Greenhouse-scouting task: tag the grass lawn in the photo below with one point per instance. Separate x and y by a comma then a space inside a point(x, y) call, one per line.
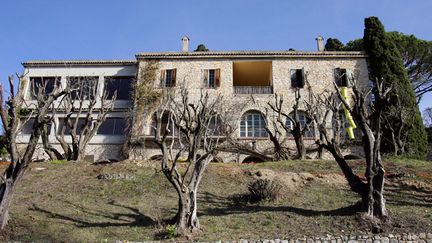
point(68, 202)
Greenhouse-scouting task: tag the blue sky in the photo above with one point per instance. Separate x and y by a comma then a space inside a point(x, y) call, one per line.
point(113, 29)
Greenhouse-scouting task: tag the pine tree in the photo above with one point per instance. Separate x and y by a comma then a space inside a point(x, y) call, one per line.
point(334, 44)
point(385, 63)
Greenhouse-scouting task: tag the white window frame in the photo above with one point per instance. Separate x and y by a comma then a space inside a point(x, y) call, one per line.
point(252, 125)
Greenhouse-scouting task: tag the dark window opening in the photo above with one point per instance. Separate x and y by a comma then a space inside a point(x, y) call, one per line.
point(27, 127)
point(297, 78)
point(343, 77)
point(113, 126)
point(83, 88)
point(42, 84)
point(79, 127)
point(121, 85)
point(211, 79)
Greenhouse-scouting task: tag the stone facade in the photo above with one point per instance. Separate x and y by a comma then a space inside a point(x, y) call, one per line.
point(319, 74)
point(318, 69)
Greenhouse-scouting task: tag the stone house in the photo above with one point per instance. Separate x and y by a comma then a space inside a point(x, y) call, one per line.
point(250, 78)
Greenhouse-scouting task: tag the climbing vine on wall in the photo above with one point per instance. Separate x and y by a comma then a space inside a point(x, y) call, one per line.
point(145, 96)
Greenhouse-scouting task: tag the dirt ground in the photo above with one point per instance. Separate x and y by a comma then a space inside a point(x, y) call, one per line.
point(71, 202)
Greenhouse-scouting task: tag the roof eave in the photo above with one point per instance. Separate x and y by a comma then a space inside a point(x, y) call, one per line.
point(249, 54)
point(72, 63)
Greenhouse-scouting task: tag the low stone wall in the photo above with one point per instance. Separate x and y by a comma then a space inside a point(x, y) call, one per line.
point(95, 151)
point(391, 238)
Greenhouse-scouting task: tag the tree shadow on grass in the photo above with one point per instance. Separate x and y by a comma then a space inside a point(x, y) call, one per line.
point(403, 195)
point(224, 206)
point(132, 218)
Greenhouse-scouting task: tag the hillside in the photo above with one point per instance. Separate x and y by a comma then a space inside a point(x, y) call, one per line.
point(65, 201)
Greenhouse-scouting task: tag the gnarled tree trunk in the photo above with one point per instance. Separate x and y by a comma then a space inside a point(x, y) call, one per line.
point(12, 124)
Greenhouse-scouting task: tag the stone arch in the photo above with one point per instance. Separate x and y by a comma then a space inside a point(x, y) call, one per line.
point(252, 159)
point(216, 159)
point(156, 157)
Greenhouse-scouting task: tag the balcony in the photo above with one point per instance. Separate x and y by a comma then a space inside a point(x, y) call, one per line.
point(252, 77)
point(253, 90)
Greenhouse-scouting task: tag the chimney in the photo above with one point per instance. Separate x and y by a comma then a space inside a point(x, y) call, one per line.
point(320, 43)
point(185, 41)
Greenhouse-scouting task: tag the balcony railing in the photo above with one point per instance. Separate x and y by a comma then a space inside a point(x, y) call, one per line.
point(253, 90)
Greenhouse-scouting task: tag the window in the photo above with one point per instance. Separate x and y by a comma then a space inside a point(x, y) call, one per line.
point(211, 78)
point(83, 88)
point(123, 86)
point(297, 78)
point(252, 124)
point(80, 125)
point(113, 126)
point(27, 127)
point(168, 77)
point(44, 84)
point(304, 120)
point(166, 123)
point(343, 77)
point(214, 126)
point(343, 128)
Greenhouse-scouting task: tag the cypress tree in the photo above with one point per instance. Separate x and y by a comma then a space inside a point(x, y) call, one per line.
point(385, 62)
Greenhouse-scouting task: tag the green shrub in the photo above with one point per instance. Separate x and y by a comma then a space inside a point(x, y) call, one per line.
point(171, 231)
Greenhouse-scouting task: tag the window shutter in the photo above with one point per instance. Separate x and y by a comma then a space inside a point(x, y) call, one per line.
point(338, 78)
point(162, 77)
point(350, 79)
point(302, 80)
point(205, 73)
point(173, 79)
point(217, 77)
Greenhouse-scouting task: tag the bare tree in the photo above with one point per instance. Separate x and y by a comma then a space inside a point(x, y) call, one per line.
point(294, 127)
point(325, 110)
point(368, 113)
point(427, 116)
point(84, 112)
point(367, 110)
point(277, 133)
point(12, 125)
point(187, 130)
point(397, 120)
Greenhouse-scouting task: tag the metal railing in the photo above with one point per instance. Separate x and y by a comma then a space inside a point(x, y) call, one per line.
point(253, 90)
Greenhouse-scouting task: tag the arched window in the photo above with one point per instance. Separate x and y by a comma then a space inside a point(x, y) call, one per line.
point(252, 124)
point(304, 120)
point(215, 126)
point(166, 123)
point(343, 128)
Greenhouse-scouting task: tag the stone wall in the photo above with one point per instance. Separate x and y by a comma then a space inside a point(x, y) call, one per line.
point(95, 152)
point(391, 238)
point(319, 74)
